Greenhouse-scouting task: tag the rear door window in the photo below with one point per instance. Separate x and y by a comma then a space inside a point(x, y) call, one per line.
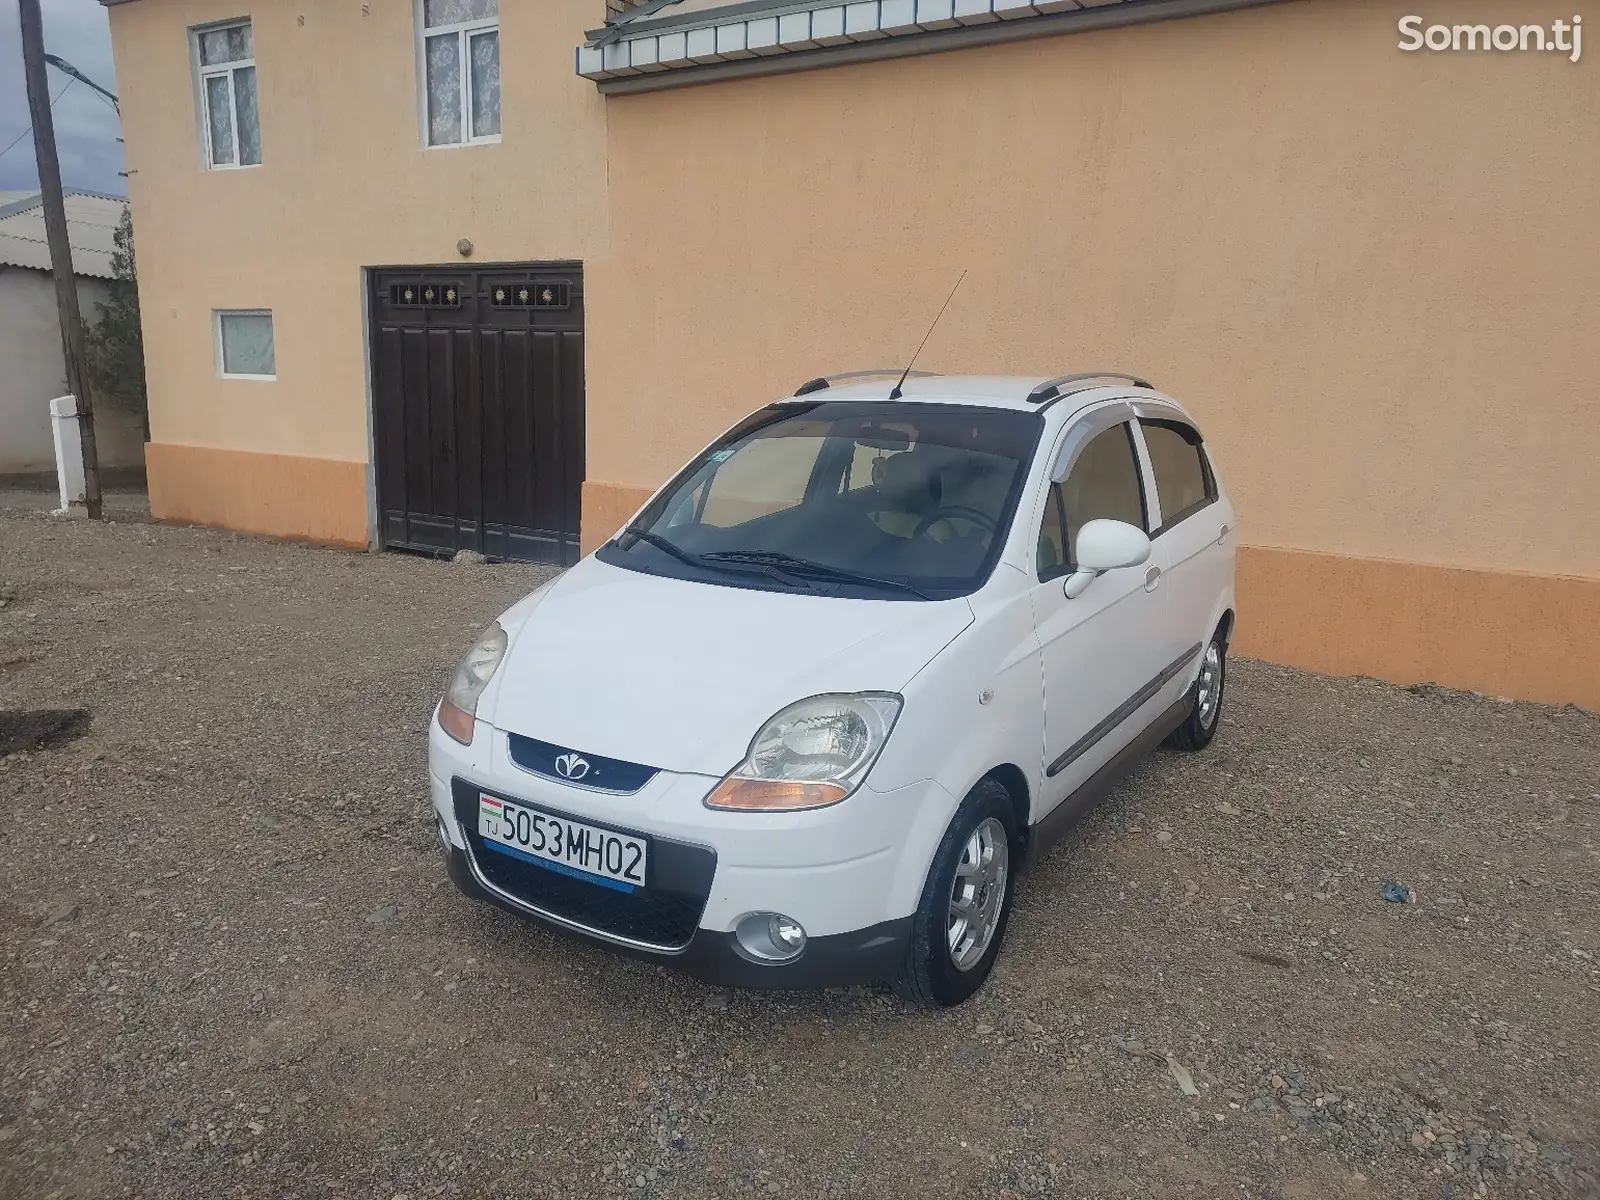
point(1183, 478)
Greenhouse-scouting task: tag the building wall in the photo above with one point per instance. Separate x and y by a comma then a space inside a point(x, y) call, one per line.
point(344, 184)
point(32, 373)
point(1364, 270)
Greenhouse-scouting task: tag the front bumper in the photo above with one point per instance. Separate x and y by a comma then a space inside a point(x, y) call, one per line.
point(851, 875)
point(866, 955)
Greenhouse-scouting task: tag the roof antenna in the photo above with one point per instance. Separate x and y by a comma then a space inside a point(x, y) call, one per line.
point(895, 395)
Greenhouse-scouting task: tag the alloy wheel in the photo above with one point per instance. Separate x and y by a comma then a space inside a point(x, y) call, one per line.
point(1208, 691)
point(978, 894)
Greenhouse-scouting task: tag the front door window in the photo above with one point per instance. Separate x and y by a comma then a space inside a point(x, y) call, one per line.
point(1104, 483)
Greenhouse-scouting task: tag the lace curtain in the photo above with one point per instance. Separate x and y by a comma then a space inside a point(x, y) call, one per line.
point(219, 117)
point(247, 344)
point(453, 12)
point(244, 103)
point(485, 84)
point(444, 89)
point(232, 117)
point(226, 45)
point(463, 71)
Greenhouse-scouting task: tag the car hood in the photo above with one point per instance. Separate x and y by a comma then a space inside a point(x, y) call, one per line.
point(679, 675)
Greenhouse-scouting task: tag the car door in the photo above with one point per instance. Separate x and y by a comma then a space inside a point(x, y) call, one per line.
point(1192, 530)
point(1100, 649)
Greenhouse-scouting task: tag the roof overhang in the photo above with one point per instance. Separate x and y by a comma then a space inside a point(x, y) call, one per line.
point(663, 45)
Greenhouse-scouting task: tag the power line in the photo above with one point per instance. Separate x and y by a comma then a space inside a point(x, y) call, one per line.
point(29, 129)
point(67, 68)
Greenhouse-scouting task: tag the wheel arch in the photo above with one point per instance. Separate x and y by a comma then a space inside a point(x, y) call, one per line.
point(1011, 777)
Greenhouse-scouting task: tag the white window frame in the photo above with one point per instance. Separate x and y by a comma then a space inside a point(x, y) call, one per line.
point(463, 31)
point(216, 342)
point(202, 101)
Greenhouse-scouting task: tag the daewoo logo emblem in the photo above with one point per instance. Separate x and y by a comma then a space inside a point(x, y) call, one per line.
point(572, 766)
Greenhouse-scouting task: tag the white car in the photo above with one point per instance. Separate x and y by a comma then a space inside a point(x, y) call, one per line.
point(802, 720)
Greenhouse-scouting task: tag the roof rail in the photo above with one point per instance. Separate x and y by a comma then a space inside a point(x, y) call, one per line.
point(1052, 388)
point(822, 382)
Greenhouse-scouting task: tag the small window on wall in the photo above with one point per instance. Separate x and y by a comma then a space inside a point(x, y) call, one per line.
point(230, 122)
point(244, 344)
point(460, 63)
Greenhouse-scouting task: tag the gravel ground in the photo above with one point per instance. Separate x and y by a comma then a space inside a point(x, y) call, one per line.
point(122, 494)
point(233, 966)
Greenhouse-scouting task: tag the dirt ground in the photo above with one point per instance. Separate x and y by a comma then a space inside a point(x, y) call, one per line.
point(123, 495)
point(231, 963)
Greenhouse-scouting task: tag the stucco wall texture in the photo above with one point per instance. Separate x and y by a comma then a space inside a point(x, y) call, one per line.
point(1367, 272)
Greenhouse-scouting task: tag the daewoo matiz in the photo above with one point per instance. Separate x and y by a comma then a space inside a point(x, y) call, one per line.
point(801, 721)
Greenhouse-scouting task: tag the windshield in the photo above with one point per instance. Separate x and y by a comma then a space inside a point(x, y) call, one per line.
point(861, 498)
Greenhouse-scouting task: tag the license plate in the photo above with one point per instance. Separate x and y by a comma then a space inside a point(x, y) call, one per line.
point(613, 860)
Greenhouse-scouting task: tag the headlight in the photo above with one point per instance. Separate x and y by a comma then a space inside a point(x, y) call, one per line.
point(811, 754)
point(458, 710)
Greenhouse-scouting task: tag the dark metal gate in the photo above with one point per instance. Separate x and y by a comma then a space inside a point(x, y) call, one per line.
point(477, 395)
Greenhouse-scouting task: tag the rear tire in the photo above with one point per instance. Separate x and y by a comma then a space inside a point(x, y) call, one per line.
point(1205, 714)
point(960, 922)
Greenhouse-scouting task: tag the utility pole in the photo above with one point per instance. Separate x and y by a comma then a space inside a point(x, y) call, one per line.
point(55, 224)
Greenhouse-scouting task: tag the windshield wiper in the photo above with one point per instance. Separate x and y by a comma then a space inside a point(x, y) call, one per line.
point(712, 560)
point(806, 566)
point(661, 543)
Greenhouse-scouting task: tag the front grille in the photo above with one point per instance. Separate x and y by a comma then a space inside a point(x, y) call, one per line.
point(584, 770)
point(664, 913)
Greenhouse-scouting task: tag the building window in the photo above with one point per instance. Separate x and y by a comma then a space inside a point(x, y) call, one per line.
point(244, 344)
point(230, 121)
point(460, 57)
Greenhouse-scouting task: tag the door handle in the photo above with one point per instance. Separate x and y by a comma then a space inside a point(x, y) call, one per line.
point(1222, 536)
point(1152, 579)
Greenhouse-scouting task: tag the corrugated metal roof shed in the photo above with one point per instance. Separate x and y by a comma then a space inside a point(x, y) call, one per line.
point(91, 220)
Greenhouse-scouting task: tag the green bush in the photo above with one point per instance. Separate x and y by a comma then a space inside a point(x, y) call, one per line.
point(115, 342)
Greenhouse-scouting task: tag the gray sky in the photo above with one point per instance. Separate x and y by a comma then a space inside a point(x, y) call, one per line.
point(86, 126)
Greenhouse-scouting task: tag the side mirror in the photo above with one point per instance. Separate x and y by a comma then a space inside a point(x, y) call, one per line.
point(1105, 546)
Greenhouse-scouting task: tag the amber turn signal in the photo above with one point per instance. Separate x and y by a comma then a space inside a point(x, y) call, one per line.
point(456, 723)
point(773, 795)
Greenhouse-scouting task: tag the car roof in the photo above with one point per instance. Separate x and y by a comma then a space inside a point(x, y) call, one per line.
point(985, 391)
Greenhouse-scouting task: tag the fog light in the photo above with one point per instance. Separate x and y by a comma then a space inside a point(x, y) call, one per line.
point(771, 937)
point(786, 933)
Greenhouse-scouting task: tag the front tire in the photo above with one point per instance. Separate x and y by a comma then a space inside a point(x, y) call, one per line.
point(1205, 715)
point(961, 920)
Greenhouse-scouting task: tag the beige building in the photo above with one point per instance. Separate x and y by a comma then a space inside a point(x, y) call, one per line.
point(456, 273)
